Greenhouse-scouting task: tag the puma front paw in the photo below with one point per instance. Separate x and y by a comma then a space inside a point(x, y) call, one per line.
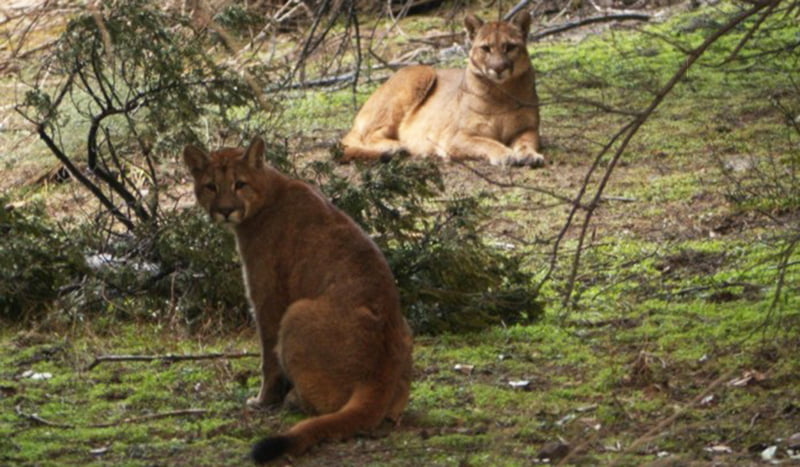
point(525, 157)
point(256, 403)
point(520, 159)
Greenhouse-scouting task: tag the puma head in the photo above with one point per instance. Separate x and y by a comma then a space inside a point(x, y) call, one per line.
point(498, 49)
point(230, 184)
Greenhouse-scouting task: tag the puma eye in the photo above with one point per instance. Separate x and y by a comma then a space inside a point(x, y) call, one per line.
point(510, 47)
point(210, 187)
point(486, 48)
point(239, 185)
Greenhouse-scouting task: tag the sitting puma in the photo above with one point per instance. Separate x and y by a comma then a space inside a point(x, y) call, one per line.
point(325, 303)
point(489, 110)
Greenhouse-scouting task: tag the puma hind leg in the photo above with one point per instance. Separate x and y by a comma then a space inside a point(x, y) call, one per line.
point(342, 364)
point(375, 132)
point(325, 350)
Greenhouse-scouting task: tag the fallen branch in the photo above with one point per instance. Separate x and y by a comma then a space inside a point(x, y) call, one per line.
point(152, 416)
point(621, 199)
point(167, 358)
point(594, 19)
point(155, 416)
point(347, 77)
point(34, 417)
point(723, 285)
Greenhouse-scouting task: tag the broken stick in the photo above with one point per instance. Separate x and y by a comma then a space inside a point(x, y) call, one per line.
point(167, 358)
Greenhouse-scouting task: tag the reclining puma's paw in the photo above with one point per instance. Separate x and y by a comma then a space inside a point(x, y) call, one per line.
point(527, 158)
point(519, 159)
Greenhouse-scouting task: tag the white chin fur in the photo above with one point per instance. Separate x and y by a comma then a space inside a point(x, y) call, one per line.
point(233, 219)
point(497, 77)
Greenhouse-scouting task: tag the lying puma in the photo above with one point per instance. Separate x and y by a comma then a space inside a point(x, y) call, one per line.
point(325, 303)
point(489, 110)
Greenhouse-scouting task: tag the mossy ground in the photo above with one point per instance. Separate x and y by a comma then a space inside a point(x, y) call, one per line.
point(676, 350)
point(598, 381)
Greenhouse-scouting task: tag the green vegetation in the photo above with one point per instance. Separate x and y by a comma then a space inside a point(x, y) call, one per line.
point(679, 343)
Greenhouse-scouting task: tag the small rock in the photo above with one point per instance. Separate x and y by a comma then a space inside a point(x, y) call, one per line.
point(36, 376)
point(719, 449)
point(769, 453)
point(566, 419)
point(740, 164)
point(553, 451)
point(523, 384)
point(793, 442)
point(100, 451)
point(708, 400)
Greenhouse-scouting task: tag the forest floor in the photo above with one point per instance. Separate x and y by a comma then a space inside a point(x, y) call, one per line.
point(680, 350)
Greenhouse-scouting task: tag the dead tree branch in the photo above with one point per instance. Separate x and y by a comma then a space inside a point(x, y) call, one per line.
point(594, 19)
point(515, 9)
point(167, 358)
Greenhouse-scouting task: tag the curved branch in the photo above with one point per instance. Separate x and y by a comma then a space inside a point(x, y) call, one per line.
point(73, 170)
point(629, 131)
point(105, 176)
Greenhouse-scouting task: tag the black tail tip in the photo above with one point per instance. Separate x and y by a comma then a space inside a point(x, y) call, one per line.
point(269, 448)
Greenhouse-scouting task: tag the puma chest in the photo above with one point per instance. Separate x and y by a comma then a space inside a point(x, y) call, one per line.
point(499, 122)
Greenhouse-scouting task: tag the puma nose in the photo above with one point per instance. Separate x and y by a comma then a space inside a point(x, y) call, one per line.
point(225, 212)
point(499, 68)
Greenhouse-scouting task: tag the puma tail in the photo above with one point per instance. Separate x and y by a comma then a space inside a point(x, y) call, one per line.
point(364, 411)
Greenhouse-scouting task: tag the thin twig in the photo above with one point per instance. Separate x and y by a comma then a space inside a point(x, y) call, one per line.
point(34, 417)
point(167, 358)
point(488, 179)
point(628, 133)
point(515, 9)
point(655, 432)
point(723, 285)
point(749, 35)
point(143, 418)
point(621, 199)
point(97, 15)
point(41, 129)
point(152, 416)
point(233, 46)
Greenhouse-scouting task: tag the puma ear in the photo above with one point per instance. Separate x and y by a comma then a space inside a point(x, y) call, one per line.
point(472, 23)
point(523, 21)
point(195, 158)
point(254, 154)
